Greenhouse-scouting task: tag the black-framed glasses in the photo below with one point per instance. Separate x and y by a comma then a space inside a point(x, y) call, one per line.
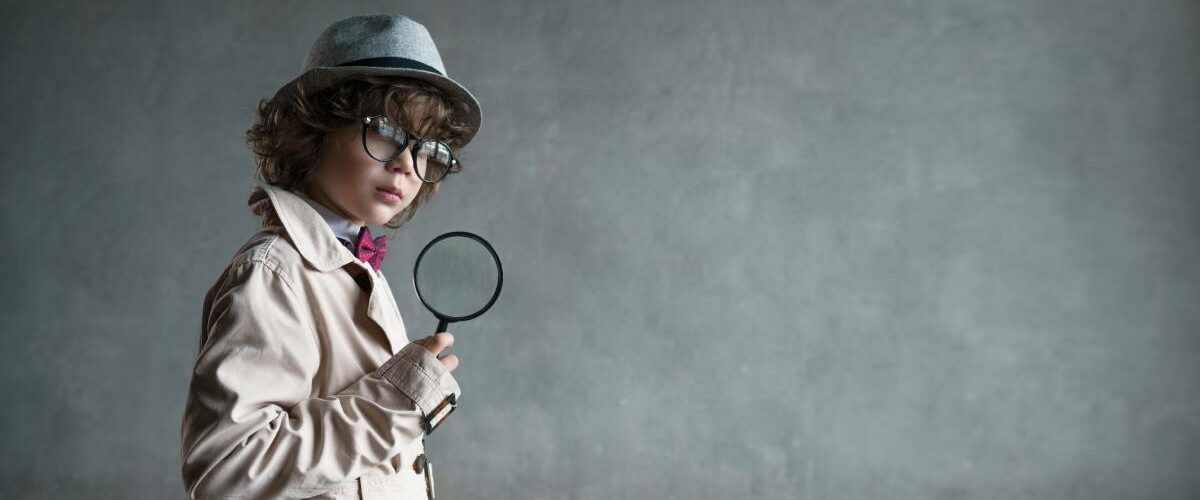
point(384, 141)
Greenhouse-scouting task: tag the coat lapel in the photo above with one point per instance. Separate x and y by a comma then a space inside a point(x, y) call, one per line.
point(317, 244)
point(386, 314)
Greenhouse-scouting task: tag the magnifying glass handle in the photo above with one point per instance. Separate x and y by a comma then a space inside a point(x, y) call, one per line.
point(441, 326)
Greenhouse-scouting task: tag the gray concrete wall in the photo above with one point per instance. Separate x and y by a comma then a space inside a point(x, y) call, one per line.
point(786, 249)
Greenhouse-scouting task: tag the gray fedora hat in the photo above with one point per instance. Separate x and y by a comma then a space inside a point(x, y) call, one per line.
point(384, 45)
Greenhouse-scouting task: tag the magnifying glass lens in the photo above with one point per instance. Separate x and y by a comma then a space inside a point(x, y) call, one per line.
point(457, 276)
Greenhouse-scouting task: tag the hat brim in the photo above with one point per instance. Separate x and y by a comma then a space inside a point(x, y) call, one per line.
point(319, 78)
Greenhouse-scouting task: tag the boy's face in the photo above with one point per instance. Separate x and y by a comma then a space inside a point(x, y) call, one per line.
point(351, 183)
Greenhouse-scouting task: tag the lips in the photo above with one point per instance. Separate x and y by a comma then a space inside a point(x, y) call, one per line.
point(390, 190)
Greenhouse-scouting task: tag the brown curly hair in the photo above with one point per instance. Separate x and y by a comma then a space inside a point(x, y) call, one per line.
point(290, 130)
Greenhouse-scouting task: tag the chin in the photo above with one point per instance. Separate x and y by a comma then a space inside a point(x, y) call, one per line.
point(379, 221)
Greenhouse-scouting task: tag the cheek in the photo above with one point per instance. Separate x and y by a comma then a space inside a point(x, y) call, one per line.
point(352, 172)
point(352, 163)
point(416, 189)
point(362, 171)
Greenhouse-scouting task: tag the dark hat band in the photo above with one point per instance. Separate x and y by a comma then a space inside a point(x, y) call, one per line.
point(393, 62)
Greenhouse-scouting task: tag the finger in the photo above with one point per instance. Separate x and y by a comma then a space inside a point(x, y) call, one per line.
point(440, 341)
point(450, 361)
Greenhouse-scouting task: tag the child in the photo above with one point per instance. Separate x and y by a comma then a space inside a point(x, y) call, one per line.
point(305, 384)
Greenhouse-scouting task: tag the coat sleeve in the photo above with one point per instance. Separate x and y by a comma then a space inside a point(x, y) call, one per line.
point(251, 428)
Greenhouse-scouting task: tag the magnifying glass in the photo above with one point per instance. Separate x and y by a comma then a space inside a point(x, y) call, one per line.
point(457, 277)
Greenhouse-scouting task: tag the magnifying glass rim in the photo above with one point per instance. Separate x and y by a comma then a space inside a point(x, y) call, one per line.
point(499, 277)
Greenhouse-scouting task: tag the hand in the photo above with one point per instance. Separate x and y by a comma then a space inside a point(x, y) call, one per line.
point(436, 343)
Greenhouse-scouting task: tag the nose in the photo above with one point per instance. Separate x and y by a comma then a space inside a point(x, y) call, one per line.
point(403, 162)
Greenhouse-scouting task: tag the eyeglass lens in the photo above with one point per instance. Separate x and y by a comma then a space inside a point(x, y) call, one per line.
point(384, 141)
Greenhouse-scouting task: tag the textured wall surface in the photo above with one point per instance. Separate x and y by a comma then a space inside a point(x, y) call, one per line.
point(783, 249)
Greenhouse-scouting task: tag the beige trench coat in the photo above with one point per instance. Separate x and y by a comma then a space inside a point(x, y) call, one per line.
point(305, 383)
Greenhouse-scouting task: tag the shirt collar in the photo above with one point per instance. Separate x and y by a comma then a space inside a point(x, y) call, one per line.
point(306, 227)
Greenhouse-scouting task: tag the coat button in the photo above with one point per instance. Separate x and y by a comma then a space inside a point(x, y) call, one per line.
point(419, 464)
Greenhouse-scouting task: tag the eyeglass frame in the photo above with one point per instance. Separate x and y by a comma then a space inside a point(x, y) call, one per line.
point(408, 144)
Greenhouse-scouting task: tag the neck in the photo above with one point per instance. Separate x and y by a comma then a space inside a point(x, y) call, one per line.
point(318, 195)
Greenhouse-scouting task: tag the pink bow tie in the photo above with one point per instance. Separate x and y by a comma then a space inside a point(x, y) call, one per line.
point(368, 250)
